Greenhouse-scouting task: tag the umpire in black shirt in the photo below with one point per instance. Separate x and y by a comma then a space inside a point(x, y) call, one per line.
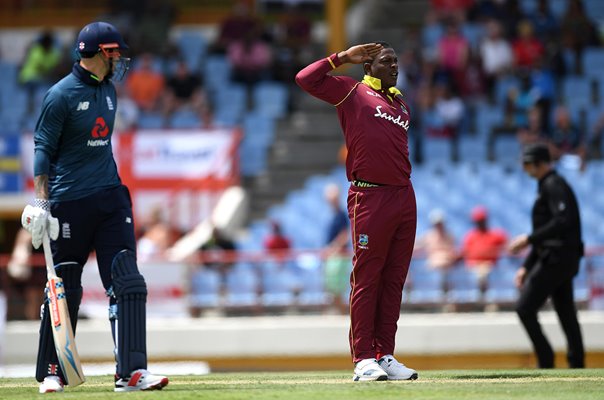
point(553, 261)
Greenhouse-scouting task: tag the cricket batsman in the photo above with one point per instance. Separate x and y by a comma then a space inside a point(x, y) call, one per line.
point(81, 203)
point(381, 200)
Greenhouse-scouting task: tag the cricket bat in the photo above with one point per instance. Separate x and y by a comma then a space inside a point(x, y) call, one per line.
point(62, 332)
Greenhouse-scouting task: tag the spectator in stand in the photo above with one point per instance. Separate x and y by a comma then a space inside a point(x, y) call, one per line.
point(251, 58)
point(543, 90)
point(145, 85)
point(595, 137)
point(445, 8)
point(577, 30)
point(184, 90)
point(157, 237)
point(292, 47)
point(517, 103)
point(527, 48)
point(496, 54)
point(338, 229)
point(212, 252)
point(276, 240)
point(508, 12)
point(39, 66)
point(337, 256)
point(482, 246)
point(545, 24)
point(446, 116)
point(533, 132)
point(235, 27)
point(566, 139)
point(438, 245)
point(453, 49)
point(152, 25)
point(25, 278)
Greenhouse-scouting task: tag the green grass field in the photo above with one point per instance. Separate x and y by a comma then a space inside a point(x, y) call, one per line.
point(450, 385)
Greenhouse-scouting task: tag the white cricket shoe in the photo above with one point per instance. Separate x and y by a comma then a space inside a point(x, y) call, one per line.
point(396, 371)
point(141, 379)
point(51, 384)
point(369, 370)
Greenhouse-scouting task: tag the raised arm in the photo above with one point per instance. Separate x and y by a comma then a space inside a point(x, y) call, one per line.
point(315, 80)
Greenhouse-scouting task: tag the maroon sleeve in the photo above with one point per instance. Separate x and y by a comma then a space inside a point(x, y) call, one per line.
point(315, 80)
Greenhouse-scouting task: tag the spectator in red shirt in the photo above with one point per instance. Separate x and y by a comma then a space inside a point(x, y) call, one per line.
point(276, 240)
point(527, 49)
point(482, 246)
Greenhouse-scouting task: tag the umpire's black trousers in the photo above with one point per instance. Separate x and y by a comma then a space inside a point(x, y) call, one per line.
point(555, 281)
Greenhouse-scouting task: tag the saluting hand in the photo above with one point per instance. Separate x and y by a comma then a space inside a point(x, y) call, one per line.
point(360, 53)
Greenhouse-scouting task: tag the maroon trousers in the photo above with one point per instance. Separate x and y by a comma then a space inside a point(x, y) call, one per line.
point(383, 222)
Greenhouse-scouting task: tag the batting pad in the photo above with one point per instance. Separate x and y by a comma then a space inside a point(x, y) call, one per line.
point(130, 291)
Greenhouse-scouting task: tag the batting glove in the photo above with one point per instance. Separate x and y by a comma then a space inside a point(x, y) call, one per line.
point(38, 221)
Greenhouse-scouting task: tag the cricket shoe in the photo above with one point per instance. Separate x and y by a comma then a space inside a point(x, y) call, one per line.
point(51, 384)
point(396, 371)
point(369, 370)
point(141, 379)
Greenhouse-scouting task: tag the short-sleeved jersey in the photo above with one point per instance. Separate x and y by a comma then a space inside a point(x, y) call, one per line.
point(374, 123)
point(74, 129)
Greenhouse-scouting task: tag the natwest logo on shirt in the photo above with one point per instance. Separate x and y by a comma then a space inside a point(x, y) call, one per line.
point(99, 130)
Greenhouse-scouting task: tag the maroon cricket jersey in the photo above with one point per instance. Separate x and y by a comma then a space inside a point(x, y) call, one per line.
point(374, 122)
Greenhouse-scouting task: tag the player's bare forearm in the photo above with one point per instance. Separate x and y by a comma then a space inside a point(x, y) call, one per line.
point(41, 186)
point(360, 53)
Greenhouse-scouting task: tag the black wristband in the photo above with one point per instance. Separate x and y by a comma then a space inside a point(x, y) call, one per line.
point(43, 204)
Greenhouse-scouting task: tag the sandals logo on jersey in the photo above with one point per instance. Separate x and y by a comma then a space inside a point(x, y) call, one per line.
point(397, 121)
point(99, 130)
point(363, 241)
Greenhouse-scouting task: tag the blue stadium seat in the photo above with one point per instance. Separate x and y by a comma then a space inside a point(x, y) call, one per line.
point(183, 119)
point(501, 289)
point(270, 98)
point(312, 289)
point(230, 103)
point(151, 121)
point(507, 150)
point(259, 128)
point(426, 288)
point(503, 86)
point(463, 286)
point(193, 47)
point(278, 289)
point(216, 72)
point(595, 9)
point(576, 90)
point(581, 284)
point(242, 286)
point(205, 288)
point(592, 60)
point(472, 149)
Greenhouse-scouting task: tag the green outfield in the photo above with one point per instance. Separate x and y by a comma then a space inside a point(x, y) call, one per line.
point(450, 385)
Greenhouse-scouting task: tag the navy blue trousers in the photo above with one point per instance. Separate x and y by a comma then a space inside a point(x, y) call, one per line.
point(101, 222)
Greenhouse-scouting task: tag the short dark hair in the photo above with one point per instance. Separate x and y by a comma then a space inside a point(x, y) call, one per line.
point(385, 45)
point(536, 153)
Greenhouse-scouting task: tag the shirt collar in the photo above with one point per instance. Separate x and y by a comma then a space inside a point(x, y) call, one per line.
point(544, 177)
point(85, 76)
point(376, 84)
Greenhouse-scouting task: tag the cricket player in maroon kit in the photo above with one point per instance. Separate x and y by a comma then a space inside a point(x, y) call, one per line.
point(381, 201)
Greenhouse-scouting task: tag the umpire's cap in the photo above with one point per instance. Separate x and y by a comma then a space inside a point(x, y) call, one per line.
point(536, 153)
point(95, 34)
